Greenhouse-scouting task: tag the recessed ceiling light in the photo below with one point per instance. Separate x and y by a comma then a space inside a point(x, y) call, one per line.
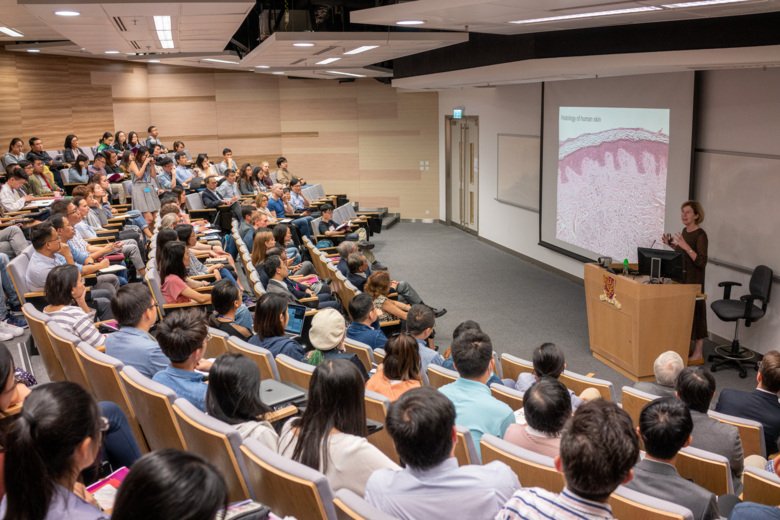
point(593, 14)
point(10, 32)
point(67, 13)
point(410, 22)
point(701, 3)
point(262, 67)
point(327, 60)
point(215, 60)
point(33, 50)
point(111, 52)
point(362, 48)
point(162, 24)
point(278, 73)
point(303, 44)
point(153, 61)
point(345, 74)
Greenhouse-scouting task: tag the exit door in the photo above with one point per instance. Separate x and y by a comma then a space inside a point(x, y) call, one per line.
point(462, 169)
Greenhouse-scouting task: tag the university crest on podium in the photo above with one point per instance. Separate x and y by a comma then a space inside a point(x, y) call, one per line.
point(609, 292)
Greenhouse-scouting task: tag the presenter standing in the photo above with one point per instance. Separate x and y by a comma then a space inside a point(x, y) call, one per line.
point(692, 243)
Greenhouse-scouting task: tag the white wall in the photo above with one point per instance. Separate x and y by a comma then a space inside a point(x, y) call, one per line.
point(513, 109)
point(516, 109)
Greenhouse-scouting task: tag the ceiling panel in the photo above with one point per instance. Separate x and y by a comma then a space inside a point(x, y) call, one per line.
point(494, 16)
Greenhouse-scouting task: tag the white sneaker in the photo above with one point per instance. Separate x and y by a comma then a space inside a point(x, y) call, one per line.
point(6, 336)
point(14, 331)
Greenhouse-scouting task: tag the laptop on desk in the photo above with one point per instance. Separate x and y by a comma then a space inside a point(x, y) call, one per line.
point(296, 315)
point(276, 394)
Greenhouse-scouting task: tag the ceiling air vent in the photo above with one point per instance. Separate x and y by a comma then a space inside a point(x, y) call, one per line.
point(119, 24)
point(135, 44)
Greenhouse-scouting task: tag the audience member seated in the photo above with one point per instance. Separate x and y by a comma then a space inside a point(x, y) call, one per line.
point(330, 228)
point(51, 251)
point(229, 188)
point(263, 174)
point(64, 287)
point(71, 149)
point(11, 326)
point(364, 315)
point(263, 241)
point(203, 168)
point(548, 361)
point(79, 172)
point(182, 336)
point(270, 321)
point(261, 201)
point(186, 234)
point(326, 335)
point(546, 407)
point(227, 163)
point(166, 179)
point(40, 184)
point(176, 286)
point(762, 403)
point(211, 196)
point(184, 173)
point(276, 207)
point(12, 240)
point(233, 397)
point(432, 485)
point(152, 139)
point(378, 287)
point(12, 195)
point(132, 344)
point(420, 321)
point(330, 436)
point(599, 446)
point(98, 165)
point(226, 300)
point(751, 510)
point(247, 182)
point(279, 283)
point(665, 426)
point(400, 370)
point(55, 438)
point(282, 175)
point(283, 237)
point(15, 153)
point(696, 388)
point(37, 152)
point(476, 408)
point(161, 484)
point(358, 267)
point(666, 368)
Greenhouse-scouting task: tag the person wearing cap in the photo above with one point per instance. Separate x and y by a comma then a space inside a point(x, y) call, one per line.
point(326, 335)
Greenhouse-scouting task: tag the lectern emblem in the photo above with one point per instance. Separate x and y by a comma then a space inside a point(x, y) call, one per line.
point(609, 292)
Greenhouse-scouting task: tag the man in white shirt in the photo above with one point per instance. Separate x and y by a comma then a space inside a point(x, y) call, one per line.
point(432, 485)
point(12, 196)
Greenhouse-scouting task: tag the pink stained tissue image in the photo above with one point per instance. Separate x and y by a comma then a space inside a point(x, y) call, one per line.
point(612, 190)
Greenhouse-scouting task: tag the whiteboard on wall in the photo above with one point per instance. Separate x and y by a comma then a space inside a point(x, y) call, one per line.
point(739, 193)
point(518, 170)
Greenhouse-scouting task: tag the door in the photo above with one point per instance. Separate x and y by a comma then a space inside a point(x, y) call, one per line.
point(462, 168)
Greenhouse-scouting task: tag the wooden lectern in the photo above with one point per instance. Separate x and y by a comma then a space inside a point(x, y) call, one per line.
point(631, 322)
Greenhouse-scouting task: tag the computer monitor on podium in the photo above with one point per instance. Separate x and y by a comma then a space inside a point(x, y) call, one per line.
point(661, 263)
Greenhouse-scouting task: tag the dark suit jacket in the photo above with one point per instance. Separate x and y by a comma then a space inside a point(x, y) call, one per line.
point(661, 480)
point(211, 199)
point(357, 280)
point(757, 405)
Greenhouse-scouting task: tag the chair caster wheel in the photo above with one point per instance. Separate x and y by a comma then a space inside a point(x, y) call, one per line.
point(743, 374)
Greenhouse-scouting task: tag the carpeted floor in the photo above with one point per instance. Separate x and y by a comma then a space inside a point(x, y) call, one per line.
point(518, 304)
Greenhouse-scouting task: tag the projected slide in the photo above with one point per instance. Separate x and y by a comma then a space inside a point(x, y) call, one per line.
point(611, 183)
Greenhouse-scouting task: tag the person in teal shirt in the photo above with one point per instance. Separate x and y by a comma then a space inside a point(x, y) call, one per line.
point(475, 407)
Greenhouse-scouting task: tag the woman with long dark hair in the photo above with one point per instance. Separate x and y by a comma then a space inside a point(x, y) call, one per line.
point(330, 436)
point(144, 193)
point(64, 288)
point(203, 168)
point(176, 286)
point(78, 172)
point(15, 152)
point(120, 142)
point(226, 300)
point(247, 183)
point(55, 438)
point(270, 320)
point(233, 397)
point(133, 141)
point(161, 484)
point(71, 150)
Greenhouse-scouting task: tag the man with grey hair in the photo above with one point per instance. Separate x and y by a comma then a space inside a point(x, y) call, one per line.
point(666, 368)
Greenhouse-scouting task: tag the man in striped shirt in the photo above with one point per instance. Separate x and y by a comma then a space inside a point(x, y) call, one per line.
point(599, 446)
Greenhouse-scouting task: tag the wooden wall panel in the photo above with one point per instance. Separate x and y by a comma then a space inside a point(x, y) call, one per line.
point(361, 138)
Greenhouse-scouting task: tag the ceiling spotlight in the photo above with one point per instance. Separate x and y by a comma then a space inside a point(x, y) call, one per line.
point(262, 67)
point(10, 32)
point(327, 61)
point(111, 52)
point(67, 13)
point(303, 44)
point(362, 48)
point(33, 50)
point(410, 22)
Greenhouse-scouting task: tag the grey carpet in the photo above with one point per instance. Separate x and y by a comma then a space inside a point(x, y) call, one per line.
point(518, 304)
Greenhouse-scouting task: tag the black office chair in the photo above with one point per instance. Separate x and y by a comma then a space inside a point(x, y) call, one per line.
point(742, 309)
